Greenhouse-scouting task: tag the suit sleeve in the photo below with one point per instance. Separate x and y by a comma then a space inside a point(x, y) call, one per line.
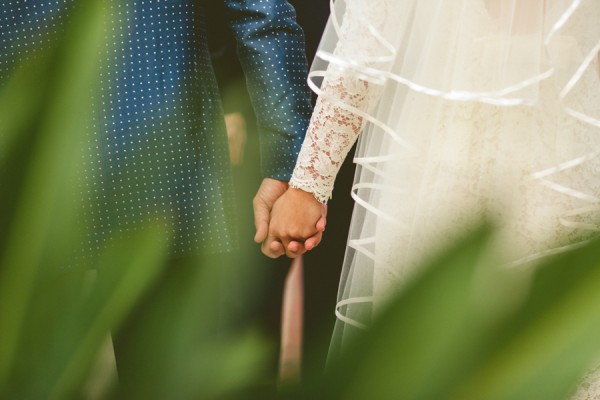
point(271, 50)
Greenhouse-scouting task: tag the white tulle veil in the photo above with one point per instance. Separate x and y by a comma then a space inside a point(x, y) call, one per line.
point(444, 72)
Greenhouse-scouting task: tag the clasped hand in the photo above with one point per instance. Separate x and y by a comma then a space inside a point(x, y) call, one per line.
point(288, 221)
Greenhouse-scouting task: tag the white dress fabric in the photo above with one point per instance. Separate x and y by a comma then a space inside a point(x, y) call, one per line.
point(467, 109)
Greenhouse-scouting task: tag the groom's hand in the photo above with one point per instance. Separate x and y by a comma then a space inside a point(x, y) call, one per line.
point(268, 193)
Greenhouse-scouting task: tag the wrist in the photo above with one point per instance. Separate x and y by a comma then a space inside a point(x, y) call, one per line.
point(303, 194)
point(320, 188)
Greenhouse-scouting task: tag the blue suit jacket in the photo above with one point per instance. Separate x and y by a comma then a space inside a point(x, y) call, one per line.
point(158, 147)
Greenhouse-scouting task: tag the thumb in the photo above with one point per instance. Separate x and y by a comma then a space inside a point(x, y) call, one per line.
point(261, 221)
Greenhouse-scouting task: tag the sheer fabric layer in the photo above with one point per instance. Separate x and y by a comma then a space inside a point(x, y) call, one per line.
point(468, 109)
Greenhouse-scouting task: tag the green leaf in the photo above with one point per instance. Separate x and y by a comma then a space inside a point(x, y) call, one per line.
point(468, 329)
point(43, 150)
point(543, 351)
point(125, 273)
point(427, 335)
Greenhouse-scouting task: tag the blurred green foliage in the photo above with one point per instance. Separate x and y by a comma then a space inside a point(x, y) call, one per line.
point(55, 313)
point(462, 329)
point(467, 330)
point(50, 329)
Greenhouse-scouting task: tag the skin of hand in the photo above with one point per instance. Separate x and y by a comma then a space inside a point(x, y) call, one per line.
point(268, 193)
point(296, 216)
point(236, 137)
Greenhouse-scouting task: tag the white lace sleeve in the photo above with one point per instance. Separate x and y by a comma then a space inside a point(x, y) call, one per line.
point(334, 126)
point(330, 136)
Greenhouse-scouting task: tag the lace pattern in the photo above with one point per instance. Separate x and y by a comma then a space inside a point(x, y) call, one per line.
point(331, 134)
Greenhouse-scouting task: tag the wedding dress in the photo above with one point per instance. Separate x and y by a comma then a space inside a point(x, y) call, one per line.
point(467, 109)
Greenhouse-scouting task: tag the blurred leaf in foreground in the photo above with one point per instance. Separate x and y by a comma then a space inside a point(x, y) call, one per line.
point(466, 329)
point(50, 330)
point(178, 343)
point(44, 109)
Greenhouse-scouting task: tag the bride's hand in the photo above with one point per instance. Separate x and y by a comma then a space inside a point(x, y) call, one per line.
point(297, 216)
